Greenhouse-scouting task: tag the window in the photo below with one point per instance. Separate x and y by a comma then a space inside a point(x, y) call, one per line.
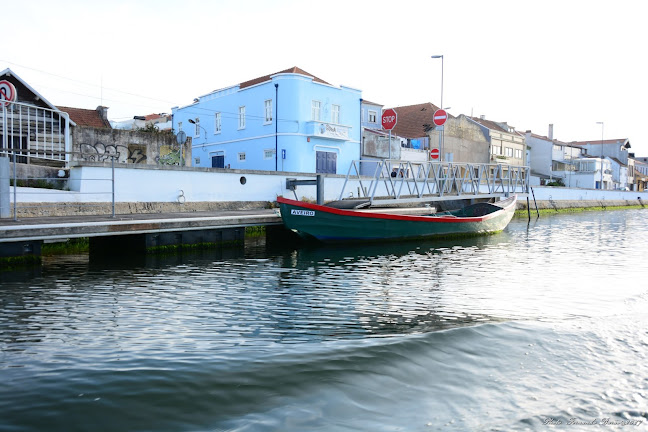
point(335, 114)
point(518, 154)
point(241, 157)
point(217, 123)
point(372, 116)
point(496, 150)
point(197, 131)
point(268, 154)
point(315, 110)
point(268, 111)
point(241, 117)
point(509, 152)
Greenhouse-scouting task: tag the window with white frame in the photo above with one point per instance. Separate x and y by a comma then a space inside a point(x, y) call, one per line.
point(268, 111)
point(316, 107)
point(518, 153)
point(509, 152)
point(372, 116)
point(217, 123)
point(241, 118)
point(268, 154)
point(335, 114)
point(197, 131)
point(241, 157)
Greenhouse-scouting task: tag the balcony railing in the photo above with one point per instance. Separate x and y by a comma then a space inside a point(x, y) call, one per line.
point(34, 133)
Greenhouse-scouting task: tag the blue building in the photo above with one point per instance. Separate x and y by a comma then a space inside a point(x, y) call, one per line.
point(287, 121)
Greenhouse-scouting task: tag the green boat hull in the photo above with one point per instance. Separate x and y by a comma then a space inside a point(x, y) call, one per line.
point(335, 225)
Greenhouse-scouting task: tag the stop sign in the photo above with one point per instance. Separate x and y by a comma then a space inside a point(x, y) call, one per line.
point(440, 117)
point(389, 118)
point(434, 153)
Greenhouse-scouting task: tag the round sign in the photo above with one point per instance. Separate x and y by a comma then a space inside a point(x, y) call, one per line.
point(7, 93)
point(434, 153)
point(181, 138)
point(389, 118)
point(440, 117)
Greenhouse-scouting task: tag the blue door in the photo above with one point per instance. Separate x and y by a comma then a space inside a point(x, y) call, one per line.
point(218, 161)
point(326, 162)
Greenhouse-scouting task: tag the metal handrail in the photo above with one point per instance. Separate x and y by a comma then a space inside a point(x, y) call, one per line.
point(14, 154)
point(406, 181)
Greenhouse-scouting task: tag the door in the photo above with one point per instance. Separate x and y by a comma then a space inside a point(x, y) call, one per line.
point(218, 161)
point(325, 162)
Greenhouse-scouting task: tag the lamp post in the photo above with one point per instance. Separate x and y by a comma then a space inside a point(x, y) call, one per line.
point(441, 136)
point(602, 128)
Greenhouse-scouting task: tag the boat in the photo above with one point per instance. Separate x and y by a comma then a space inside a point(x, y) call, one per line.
point(328, 224)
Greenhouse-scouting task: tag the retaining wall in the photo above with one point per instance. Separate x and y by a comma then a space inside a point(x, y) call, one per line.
point(155, 189)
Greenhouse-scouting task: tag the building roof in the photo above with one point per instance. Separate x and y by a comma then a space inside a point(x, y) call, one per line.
point(376, 132)
point(415, 121)
point(292, 70)
point(489, 124)
point(617, 141)
point(86, 117)
point(366, 102)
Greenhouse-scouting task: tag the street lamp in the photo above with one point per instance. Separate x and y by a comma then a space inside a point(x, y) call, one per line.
point(602, 128)
point(441, 136)
point(193, 122)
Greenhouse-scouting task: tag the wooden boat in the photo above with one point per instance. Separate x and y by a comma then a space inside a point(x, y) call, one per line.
point(328, 224)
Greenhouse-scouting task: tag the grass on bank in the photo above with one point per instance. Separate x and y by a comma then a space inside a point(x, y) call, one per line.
point(545, 211)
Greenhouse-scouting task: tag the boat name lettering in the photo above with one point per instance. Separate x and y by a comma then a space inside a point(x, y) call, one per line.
point(302, 212)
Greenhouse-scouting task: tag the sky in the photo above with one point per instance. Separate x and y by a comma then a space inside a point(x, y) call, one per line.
point(569, 63)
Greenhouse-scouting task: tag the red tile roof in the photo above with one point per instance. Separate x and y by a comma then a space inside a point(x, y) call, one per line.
point(415, 121)
point(85, 117)
point(294, 70)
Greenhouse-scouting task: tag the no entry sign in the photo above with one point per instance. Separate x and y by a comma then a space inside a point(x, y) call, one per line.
point(440, 117)
point(7, 93)
point(434, 154)
point(389, 118)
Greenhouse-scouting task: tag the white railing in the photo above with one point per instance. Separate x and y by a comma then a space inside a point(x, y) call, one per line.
point(34, 132)
point(403, 181)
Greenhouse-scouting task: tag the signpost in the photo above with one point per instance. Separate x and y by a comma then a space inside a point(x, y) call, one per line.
point(7, 93)
point(440, 117)
point(389, 120)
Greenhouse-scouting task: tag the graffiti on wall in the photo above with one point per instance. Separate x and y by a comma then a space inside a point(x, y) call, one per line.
point(137, 153)
point(170, 155)
point(133, 153)
point(100, 152)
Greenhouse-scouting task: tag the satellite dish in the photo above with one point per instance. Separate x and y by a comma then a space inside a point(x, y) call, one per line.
point(181, 137)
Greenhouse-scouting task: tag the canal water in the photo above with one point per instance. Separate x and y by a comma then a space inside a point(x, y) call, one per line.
point(543, 325)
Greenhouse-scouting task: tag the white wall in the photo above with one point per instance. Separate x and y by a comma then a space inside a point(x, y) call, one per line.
point(93, 184)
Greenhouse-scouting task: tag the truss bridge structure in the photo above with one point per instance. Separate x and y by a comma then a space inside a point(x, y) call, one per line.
point(382, 182)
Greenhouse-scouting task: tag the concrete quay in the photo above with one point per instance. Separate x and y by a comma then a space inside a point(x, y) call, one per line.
point(131, 233)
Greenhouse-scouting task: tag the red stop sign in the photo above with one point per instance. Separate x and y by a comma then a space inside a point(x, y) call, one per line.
point(434, 153)
point(389, 118)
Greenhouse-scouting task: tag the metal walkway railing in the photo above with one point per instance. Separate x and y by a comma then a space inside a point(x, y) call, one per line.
point(395, 181)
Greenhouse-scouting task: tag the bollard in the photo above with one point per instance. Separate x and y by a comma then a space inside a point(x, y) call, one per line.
point(5, 206)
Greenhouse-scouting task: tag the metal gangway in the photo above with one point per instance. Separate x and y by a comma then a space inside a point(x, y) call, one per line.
point(395, 181)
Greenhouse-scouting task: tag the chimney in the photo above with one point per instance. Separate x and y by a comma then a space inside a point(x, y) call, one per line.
point(550, 136)
point(482, 117)
point(103, 112)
